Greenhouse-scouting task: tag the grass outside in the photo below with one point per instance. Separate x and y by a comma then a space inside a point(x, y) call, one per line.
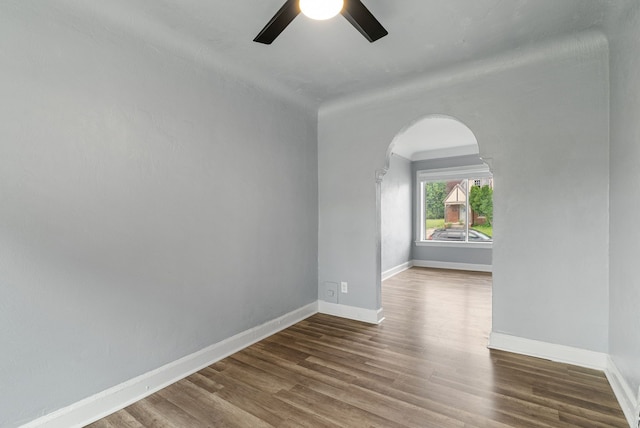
point(438, 223)
point(487, 229)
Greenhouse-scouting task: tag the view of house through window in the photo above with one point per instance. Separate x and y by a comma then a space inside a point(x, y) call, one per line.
point(458, 210)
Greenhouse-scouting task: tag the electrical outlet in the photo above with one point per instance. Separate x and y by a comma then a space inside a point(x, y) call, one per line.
point(344, 287)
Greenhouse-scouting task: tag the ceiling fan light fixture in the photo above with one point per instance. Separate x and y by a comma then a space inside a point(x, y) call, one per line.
point(321, 9)
point(353, 10)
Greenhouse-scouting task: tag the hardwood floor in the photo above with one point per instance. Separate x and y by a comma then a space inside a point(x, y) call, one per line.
point(426, 365)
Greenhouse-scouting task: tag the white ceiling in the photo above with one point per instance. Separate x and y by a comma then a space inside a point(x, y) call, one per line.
point(317, 61)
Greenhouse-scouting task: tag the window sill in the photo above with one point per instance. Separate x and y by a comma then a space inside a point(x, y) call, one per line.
point(454, 244)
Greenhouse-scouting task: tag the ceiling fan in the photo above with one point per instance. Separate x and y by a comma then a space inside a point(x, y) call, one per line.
point(353, 10)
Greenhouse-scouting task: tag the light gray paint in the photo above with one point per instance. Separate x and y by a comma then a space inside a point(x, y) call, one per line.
point(540, 118)
point(150, 207)
point(450, 162)
point(434, 134)
point(475, 256)
point(396, 213)
point(318, 61)
point(48, 78)
point(625, 193)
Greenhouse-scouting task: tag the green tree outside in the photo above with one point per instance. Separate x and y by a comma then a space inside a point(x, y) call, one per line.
point(481, 201)
point(434, 196)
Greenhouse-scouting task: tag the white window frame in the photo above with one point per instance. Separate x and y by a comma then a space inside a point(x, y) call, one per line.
point(444, 174)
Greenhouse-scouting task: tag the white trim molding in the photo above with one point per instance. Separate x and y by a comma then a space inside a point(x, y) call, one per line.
point(455, 244)
point(396, 270)
point(549, 351)
point(113, 399)
point(579, 357)
point(454, 173)
point(452, 265)
point(371, 316)
point(630, 404)
point(446, 152)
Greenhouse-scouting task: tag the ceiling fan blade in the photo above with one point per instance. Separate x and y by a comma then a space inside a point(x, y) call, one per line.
point(279, 22)
point(364, 21)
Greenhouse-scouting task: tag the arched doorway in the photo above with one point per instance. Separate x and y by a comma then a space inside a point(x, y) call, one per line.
point(435, 152)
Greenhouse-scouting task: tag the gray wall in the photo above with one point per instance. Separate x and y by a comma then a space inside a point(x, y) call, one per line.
point(462, 255)
point(396, 213)
point(474, 256)
point(541, 119)
point(151, 206)
point(625, 194)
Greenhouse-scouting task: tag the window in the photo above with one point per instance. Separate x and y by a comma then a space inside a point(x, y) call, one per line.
point(456, 205)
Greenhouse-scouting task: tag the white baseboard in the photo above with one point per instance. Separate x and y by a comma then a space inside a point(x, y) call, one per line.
point(549, 351)
point(371, 316)
point(579, 357)
point(113, 399)
point(396, 270)
point(630, 404)
point(452, 265)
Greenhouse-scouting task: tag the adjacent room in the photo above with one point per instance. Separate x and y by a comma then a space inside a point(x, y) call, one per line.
point(183, 180)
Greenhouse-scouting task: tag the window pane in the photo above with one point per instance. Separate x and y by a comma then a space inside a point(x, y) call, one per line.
point(445, 210)
point(481, 207)
point(458, 210)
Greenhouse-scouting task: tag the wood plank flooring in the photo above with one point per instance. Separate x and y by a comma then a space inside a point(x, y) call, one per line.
point(426, 365)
